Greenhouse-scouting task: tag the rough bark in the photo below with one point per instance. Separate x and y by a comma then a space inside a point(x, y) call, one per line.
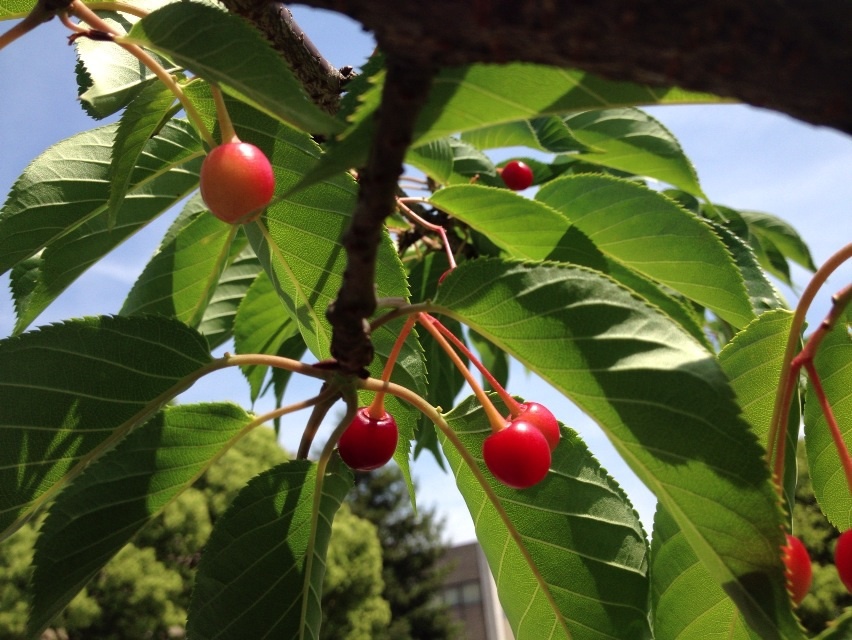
point(787, 55)
point(322, 82)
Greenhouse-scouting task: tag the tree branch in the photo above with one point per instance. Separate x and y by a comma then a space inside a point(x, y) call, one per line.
point(405, 90)
point(322, 82)
point(787, 55)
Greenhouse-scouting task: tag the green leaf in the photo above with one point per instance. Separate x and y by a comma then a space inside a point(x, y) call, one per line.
point(142, 119)
point(217, 324)
point(762, 295)
point(686, 603)
point(782, 235)
point(569, 555)
point(59, 204)
point(651, 234)
point(662, 400)
point(435, 159)
point(752, 362)
point(120, 493)
point(109, 77)
point(631, 140)
point(470, 97)
point(10, 9)
point(523, 227)
point(549, 134)
point(181, 277)
point(87, 383)
point(840, 629)
point(262, 569)
point(262, 325)
point(224, 49)
point(530, 229)
point(832, 363)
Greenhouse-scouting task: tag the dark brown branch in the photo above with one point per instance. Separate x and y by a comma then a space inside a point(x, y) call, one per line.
point(322, 82)
point(405, 91)
point(788, 55)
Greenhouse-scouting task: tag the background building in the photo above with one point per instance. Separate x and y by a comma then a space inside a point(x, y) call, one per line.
point(471, 594)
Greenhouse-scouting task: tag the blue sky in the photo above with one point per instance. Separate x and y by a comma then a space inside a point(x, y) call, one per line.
point(746, 158)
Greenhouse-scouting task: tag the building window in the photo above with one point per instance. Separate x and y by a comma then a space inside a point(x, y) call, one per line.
point(471, 594)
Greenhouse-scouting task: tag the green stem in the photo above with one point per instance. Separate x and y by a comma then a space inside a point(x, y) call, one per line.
point(33, 19)
point(833, 427)
point(512, 404)
point(775, 443)
point(327, 397)
point(226, 125)
point(92, 19)
point(118, 7)
point(494, 418)
point(279, 362)
point(377, 406)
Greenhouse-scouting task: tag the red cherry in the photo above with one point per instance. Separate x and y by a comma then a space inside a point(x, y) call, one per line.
point(517, 175)
point(799, 572)
point(237, 182)
point(843, 558)
point(518, 456)
point(368, 443)
point(541, 417)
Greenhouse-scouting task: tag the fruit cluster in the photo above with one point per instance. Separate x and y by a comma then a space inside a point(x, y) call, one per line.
point(518, 451)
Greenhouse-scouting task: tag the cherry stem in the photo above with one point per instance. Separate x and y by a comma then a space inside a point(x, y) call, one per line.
point(408, 213)
point(833, 427)
point(377, 406)
point(327, 397)
point(226, 125)
point(512, 404)
point(805, 359)
point(33, 19)
point(776, 439)
point(119, 7)
point(498, 423)
point(92, 19)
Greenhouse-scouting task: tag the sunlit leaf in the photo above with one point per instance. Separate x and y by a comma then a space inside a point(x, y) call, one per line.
point(654, 236)
point(569, 555)
point(686, 603)
point(182, 276)
point(752, 361)
point(60, 202)
point(471, 97)
point(223, 48)
point(119, 494)
point(142, 120)
point(87, 382)
point(262, 325)
point(633, 141)
point(262, 569)
point(218, 320)
point(662, 400)
point(833, 363)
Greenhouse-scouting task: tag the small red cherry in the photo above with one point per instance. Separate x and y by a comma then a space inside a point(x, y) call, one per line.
point(517, 175)
point(518, 456)
point(368, 443)
point(799, 572)
point(843, 558)
point(237, 182)
point(540, 416)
